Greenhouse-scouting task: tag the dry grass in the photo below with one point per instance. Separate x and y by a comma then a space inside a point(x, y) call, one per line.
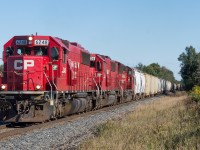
point(170, 123)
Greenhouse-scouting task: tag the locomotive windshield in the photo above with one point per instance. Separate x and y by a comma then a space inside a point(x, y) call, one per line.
point(23, 51)
point(36, 51)
point(40, 51)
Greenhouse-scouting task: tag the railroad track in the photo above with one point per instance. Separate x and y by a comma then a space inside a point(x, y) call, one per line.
point(7, 132)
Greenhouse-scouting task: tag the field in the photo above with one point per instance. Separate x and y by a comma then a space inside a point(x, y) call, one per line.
point(169, 123)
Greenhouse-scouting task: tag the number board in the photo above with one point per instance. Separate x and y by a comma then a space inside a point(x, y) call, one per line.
point(21, 42)
point(54, 67)
point(41, 42)
point(92, 58)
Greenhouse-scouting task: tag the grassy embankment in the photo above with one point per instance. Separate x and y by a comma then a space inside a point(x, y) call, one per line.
point(170, 123)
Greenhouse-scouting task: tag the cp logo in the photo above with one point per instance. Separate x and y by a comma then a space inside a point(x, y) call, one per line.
point(18, 64)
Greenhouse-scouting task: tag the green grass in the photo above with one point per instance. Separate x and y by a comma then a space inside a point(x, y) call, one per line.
point(170, 123)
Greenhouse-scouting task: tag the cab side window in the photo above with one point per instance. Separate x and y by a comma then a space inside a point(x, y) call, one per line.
point(9, 51)
point(99, 66)
point(64, 55)
point(54, 53)
point(92, 64)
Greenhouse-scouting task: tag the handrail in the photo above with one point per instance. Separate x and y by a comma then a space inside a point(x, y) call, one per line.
point(96, 86)
point(27, 72)
point(85, 83)
point(19, 74)
point(121, 88)
point(53, 79)
point(100, 85)
point(49, 84)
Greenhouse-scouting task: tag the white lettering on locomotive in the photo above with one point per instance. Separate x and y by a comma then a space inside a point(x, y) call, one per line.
point(16, 66)
point(41, 42)
point(28, 63)
point(64, 70)
point(92, 58)
point(19, 63)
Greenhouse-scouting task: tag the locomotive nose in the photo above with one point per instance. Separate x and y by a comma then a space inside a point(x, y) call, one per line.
point(25, 73)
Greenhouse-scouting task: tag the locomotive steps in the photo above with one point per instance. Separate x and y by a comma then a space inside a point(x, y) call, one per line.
point(69, 131)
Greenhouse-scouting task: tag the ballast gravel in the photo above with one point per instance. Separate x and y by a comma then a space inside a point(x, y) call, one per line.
point(70, 134)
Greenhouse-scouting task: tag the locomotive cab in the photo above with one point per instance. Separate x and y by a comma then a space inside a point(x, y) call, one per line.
point(98, 66)
point(33, 63)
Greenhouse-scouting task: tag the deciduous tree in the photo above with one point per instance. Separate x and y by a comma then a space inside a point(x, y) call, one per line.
point(190, 71)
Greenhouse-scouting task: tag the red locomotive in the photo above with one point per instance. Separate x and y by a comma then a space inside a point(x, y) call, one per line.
point(46, 77)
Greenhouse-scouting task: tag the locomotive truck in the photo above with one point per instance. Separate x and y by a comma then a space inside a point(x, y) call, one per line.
point(46, 77)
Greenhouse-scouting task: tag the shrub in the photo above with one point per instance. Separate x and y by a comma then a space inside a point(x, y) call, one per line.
point(195, 93)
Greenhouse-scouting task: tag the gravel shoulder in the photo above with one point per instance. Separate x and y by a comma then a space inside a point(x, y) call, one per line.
point(69, 134)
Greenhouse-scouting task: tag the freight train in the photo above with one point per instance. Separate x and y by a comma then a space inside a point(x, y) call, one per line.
point(46, 77)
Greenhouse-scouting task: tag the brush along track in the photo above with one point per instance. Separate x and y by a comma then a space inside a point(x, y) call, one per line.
point(66, 131)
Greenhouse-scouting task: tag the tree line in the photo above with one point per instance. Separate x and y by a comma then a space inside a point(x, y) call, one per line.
point(159, 71)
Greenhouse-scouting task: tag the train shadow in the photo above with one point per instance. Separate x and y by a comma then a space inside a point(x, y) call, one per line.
point(2, 124)
point(18, 125)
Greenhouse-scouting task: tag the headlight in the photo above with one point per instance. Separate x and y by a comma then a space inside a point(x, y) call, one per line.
point(3, 87)
point(30, 38)
point(38, 87)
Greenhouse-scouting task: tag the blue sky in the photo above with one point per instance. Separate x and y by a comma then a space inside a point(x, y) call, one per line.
point(129, 31)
